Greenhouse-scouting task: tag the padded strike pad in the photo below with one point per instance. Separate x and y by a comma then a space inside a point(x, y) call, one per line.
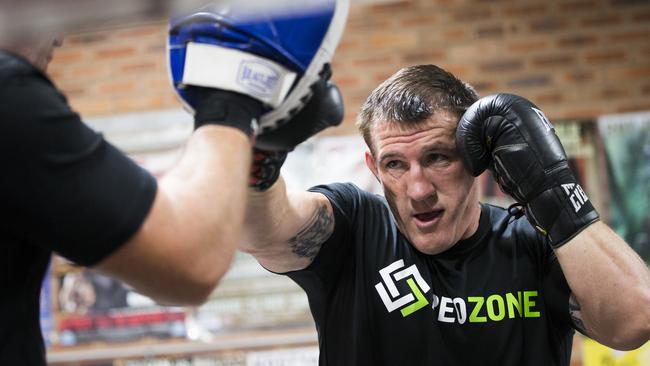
point(224, 68)
point(293, 40)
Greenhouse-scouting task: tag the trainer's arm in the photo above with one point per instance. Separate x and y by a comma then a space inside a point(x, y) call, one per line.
point(611, 285)
point(284, 230)
point(188, 239)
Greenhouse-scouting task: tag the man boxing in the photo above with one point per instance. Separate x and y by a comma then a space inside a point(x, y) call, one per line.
point(428, 275)
point(67, 190)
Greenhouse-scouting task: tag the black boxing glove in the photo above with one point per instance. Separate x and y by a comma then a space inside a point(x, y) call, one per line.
point(511, 136)
point(324, 109)
point(226, 108)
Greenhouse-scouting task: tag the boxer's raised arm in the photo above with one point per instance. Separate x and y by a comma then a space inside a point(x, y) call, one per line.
point(609, 282)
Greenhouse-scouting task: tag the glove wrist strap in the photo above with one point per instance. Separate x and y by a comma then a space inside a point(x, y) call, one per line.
point(265, 169)
point(561, 212)
point(219, 107)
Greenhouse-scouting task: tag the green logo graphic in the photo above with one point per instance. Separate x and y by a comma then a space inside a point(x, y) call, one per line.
point(392, 299)
point(422, 302)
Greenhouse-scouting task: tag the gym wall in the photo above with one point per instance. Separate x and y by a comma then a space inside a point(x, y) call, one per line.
point(576, 59)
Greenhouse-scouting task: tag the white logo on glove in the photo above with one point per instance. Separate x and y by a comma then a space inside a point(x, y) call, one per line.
point(259, 77)
point(545, 120)
point(223, 68)
point(576, 195)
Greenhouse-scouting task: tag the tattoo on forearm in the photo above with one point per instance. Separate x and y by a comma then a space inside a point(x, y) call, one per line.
point(576, 316)
point(308, 241)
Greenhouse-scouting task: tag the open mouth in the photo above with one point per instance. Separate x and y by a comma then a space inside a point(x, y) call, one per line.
point(428, 217)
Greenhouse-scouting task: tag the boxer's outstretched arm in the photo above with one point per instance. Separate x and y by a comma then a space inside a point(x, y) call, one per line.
point(610, 285)
point(285, 230)
point(188, 239)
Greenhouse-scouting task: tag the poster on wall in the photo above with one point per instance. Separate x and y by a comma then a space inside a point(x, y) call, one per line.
point(626, 140)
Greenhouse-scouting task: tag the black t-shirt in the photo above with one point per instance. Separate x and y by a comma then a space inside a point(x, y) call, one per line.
point(63, 189)
point(496, 298)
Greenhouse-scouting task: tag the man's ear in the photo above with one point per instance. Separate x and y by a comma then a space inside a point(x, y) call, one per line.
point(370, 163)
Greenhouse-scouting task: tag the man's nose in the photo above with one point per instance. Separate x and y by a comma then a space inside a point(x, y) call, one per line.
point(419, 186)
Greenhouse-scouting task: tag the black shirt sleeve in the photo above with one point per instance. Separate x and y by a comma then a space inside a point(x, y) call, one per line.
point(64, 187)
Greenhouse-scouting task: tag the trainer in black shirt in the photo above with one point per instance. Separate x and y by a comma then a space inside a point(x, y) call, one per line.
point(64, 189)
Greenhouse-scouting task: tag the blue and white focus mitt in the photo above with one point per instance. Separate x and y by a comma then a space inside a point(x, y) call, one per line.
point(273, 58)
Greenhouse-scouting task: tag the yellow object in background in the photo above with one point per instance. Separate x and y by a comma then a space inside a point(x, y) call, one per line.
point(595, 354)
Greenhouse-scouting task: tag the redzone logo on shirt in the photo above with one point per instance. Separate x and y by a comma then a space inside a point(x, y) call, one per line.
point(474, 309)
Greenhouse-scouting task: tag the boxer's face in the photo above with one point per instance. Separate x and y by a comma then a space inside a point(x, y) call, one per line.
point(432, 196)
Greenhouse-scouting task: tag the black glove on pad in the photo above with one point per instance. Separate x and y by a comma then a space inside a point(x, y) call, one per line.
point(225, 108)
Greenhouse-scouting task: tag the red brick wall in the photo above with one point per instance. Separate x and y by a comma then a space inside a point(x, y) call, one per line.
point(574, 58)
point(115, 71)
